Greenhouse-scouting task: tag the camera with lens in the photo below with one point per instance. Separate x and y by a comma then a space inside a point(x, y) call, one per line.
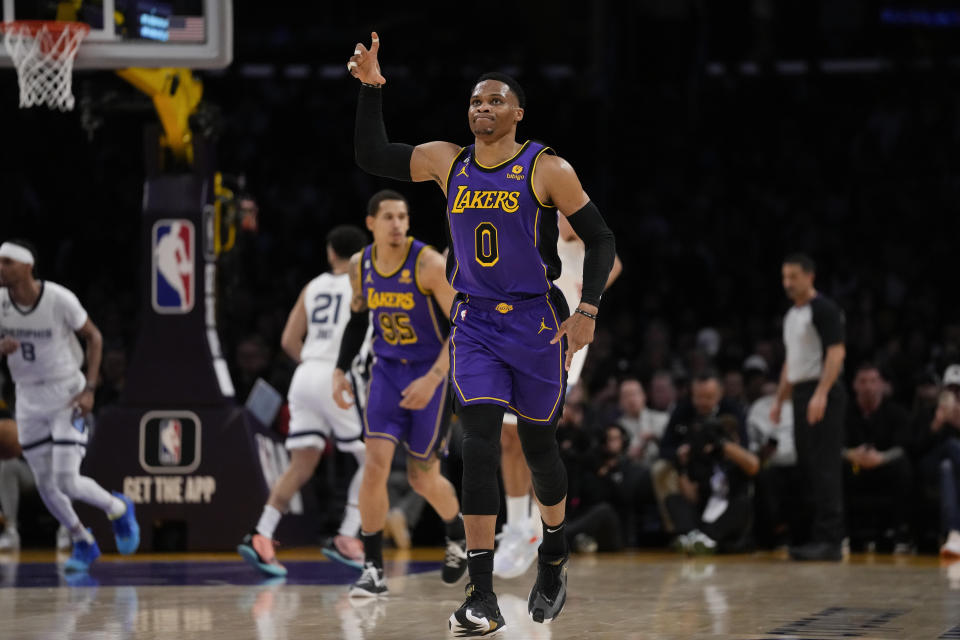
point(706, 440)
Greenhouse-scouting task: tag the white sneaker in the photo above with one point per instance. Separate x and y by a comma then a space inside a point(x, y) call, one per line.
point(517, 551)
point(9, 540)
point(64, 543)
point(951, 548)
point(700, 543)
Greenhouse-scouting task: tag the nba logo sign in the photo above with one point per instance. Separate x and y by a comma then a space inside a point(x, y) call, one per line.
point(170, 442)
point(171, 438)
point(172, 277)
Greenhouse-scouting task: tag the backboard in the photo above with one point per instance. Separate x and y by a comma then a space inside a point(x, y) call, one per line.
point(197, 34)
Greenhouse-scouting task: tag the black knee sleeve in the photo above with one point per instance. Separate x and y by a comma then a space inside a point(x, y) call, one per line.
point(481, 459)
point(540, 448)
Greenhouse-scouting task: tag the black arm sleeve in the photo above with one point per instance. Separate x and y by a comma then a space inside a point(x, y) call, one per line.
point(829, 321)
point(600, 248)
point(374, 152)
point(353, 335)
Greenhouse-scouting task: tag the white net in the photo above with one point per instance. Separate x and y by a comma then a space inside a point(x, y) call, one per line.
point(43, 54)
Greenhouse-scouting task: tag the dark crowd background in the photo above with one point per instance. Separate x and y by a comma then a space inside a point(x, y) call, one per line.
point(715, 138)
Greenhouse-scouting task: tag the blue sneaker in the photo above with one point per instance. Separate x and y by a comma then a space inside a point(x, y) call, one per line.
point(125, 528)
point(84, 554)
point(80, 579)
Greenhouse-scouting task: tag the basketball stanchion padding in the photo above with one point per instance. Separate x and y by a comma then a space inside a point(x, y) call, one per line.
point(43, 52)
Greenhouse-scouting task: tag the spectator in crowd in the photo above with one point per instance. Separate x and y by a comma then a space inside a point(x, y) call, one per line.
point(939, 451)
point(756, 374)
point(734, 389)
point(663, 393)
point(613, 488)
point(877, 471)
point(644, 426)
point(709, 501)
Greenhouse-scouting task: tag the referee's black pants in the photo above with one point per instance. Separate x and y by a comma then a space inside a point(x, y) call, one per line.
point(820, 460)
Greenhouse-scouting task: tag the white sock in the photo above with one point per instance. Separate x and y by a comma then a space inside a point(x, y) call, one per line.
point(518, 509)
point(350, 525)
point(953, 537)
point(78, 532)
point(269, 520)
point(117, 508)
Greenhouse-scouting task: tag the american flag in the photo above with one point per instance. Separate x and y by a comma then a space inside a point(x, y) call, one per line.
point(187, 29)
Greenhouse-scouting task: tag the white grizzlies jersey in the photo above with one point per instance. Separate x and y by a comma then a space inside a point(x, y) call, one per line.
point(571, 254)
point(49, 349)
point(327, 303)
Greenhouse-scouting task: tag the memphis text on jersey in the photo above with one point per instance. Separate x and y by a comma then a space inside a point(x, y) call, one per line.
point(508, 201)
point(18, 333)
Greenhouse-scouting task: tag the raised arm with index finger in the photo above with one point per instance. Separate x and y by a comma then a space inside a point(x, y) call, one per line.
point(511, 336)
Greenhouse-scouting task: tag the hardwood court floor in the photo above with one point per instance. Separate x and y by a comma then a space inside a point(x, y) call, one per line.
point(633, 596)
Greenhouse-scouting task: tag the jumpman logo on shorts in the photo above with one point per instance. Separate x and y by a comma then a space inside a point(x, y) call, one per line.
point(543, 327)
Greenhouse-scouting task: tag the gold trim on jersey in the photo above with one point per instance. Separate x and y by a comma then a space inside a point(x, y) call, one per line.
point(373, 259)
point(366, 423)
point(505, 162)
point(441, 412)
point(446, 191)
point(533, 169)
point(416, 271)
point(446, 186)
point(536, 243)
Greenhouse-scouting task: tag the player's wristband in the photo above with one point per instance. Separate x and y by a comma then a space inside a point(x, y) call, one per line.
point(90, 386)
point(592, 316)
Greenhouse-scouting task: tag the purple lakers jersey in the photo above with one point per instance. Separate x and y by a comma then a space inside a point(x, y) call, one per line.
point(407, 322)
point(504, 238)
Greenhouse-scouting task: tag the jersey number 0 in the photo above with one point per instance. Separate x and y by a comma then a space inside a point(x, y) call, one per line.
point(485, 244)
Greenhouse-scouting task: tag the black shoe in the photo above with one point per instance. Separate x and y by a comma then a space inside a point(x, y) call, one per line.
point(454, 561)
point(479, 615)
point(817, 551)
point(549, 593)
point(371, 583)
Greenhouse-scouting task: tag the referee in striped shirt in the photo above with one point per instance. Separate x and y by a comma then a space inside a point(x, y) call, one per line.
point(813, 333)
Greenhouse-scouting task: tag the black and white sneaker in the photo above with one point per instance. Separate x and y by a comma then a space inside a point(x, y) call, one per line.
point(549, 592)
point(479, 615)
point(371, 583)
point(454, 561)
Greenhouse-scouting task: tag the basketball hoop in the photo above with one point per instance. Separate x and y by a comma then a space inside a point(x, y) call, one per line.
point(43, 52)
